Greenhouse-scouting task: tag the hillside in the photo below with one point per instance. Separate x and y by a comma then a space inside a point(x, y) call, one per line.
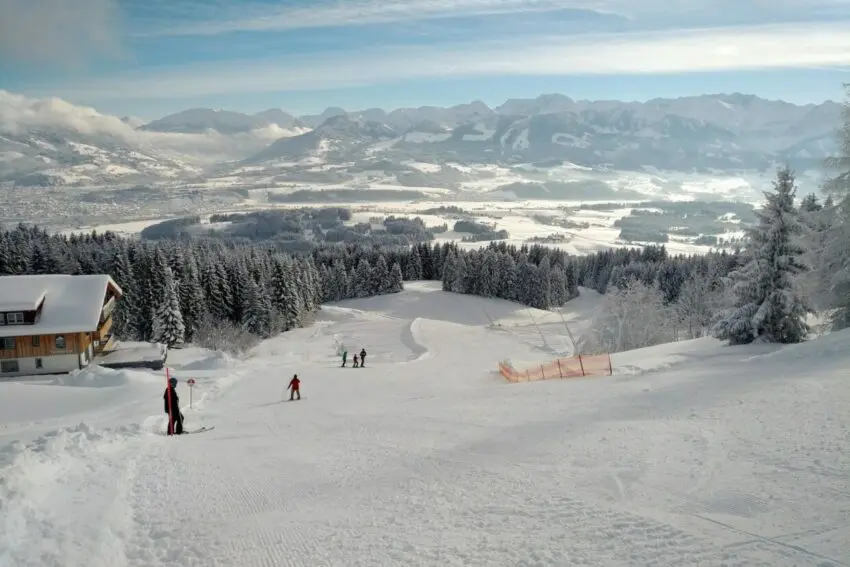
point(692, 453)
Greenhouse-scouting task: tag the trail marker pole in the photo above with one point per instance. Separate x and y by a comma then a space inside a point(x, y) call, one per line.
point(191, 383)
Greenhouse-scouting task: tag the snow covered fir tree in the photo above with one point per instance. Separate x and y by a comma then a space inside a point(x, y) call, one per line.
point(768, 305)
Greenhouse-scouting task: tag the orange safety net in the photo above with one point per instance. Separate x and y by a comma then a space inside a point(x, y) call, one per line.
point(572, 367)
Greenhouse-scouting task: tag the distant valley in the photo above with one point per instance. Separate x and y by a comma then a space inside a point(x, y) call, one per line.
point(88, 166)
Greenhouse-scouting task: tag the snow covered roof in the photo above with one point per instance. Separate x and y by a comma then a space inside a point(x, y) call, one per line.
point(72, 304)
point(20, 298)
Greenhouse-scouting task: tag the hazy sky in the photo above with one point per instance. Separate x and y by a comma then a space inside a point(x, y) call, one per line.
point(151, 57)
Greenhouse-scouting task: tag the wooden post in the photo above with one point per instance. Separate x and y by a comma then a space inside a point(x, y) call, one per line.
point(581, 364)
point(560, 374)
point(542, 373)
point(610, 369)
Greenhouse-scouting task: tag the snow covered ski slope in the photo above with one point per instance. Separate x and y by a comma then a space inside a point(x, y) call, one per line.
point(692, 454)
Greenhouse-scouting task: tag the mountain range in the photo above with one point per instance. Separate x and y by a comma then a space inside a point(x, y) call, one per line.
point(52, 142)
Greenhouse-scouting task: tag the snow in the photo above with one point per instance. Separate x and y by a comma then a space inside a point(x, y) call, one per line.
point(72, 304)
point(693, 453)
point(19, 297)
point(126, 352)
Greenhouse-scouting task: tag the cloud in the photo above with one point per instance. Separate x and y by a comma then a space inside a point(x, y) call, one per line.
point(680, 51)
point(227, 17)
point(20, 114)
point(357, 12)
point(64, 32)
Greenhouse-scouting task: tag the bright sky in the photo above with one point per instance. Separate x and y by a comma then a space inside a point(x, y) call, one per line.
point(151, 57)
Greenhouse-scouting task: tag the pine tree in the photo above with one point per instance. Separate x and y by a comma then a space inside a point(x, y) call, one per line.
point(217, 291)
point(508, 288)
point(558, 286)
point(127, 312)
point(284, 294)
point(380, 276)
point(396, 279)
point(168, 325)
point(768, 307)
point(192, 304)
point(363, 279)
point(340, 280)
point(543, 281)
point(413, 267)
point(449, 271)
point(238, 276)
point(258, 314)
point(810, 204)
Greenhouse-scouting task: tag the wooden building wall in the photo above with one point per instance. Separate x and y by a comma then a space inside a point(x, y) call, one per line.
point(24, 347)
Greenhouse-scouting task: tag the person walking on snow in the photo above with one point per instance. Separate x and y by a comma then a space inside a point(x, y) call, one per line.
point(362, 357)
point(172, 408)
point(344, 357)
point(356, 361)
point(293, 386)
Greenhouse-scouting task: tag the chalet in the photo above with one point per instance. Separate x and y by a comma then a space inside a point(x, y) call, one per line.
point(51, 324)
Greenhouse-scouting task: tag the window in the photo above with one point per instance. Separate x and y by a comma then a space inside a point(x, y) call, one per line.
point(15, 318)
point(38, 364)
point(2, 319)
point(9, 366)
point(60, 342)
point(36, 341)
point(7, 343)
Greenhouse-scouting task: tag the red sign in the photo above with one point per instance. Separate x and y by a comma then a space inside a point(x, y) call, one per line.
point(191, 382)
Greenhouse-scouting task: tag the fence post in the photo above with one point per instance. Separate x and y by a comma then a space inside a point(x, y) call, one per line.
point(581, 364)
point(527, 378)
point(542, 373)
point(560, 374)
point(610, 368)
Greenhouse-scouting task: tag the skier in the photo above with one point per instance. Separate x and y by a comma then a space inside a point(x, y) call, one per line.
point(344, 357)
point(294, 385)
point(362, 357)
point(172, 408)
point(356, 360)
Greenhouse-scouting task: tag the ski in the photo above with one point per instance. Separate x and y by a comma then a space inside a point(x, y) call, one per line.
point(188, 431)
point(200, 429)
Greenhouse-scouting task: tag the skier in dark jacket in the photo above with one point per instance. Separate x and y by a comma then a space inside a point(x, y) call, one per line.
point(362, 357)
point(172, 408)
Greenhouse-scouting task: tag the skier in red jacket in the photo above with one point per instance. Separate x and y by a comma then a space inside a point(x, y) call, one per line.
point(293, 386)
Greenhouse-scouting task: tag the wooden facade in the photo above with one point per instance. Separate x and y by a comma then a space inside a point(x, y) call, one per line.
point(39, 346)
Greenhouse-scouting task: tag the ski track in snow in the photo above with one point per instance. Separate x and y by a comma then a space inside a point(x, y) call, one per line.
point(700, 455)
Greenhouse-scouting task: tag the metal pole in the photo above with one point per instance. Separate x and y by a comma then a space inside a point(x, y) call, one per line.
point(569, 334)
point(538, 328)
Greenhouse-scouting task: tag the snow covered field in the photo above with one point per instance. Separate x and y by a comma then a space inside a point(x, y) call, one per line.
point(515, 216)
point(691, 454)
